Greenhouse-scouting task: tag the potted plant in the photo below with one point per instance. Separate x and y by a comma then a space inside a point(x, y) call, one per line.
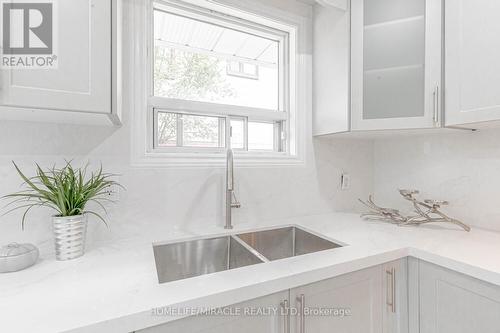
point(67, 191)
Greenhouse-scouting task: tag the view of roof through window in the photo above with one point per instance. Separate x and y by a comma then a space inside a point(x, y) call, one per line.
point(213, 62)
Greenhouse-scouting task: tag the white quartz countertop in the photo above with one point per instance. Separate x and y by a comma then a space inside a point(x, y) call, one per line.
point(114, 287)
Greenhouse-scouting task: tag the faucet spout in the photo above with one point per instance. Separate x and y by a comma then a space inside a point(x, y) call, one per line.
point(231, 201)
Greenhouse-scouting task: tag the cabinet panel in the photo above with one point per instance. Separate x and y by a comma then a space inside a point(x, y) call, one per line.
point(82, 80)
point(359, 294)
point(243, 322)
point(394, 93)
point(330, 70)
point(394, 44)
point(454, 303)
point(471, 53)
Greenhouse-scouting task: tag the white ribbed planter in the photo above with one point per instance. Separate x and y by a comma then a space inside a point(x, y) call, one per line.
point(69, 234)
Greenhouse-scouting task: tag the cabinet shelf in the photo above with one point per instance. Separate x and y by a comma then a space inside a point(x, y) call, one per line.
point(395, 68)
point(395, 23)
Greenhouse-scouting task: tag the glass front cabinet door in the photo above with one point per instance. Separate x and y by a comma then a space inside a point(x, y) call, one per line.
point(396, 64)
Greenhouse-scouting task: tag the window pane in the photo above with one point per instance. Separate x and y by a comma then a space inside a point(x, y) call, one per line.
point(167, 129)
point(233, 66)
point(191, 62)
point(250, 69)
point(260, 136)
point(201, 131)
point(237, 134)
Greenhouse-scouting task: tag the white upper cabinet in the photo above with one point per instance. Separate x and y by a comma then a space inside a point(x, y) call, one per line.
point(472, 52)
point(81, 86)
point(331, 70)
point(395, 64)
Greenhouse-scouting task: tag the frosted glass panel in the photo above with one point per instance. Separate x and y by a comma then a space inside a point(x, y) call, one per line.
point(394, 93)
point(394, 45)
point(377, 11)
point(393, 59)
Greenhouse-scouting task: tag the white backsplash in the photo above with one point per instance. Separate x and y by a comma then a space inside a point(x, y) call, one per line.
point(163, 200)
point(461, 167)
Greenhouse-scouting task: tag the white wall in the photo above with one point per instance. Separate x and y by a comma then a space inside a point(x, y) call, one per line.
point(462, 167)
point(160, 201)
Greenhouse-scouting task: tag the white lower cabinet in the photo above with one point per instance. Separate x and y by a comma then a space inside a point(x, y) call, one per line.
point(403, 296)
point(372, 300)
point(242, 322)
point(360, 293)
point(451, 302)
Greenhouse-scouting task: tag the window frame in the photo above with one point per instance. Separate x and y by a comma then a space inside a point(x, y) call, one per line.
point(138, 46)
point(158, 104)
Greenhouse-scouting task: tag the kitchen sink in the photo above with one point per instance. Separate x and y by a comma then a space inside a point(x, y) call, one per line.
point(286, 242)
point(181, 260)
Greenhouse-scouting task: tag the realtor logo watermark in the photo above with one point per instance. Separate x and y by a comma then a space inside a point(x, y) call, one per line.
point(29, 34)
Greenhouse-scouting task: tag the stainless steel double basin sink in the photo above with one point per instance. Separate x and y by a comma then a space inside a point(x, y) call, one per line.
point(181, 260)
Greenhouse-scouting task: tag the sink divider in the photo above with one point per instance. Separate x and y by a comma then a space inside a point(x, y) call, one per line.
point(249, 248)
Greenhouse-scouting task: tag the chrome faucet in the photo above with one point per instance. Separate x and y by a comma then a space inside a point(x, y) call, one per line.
point(231, 201)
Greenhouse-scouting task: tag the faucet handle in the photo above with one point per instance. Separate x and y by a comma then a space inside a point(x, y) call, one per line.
point(234, 201)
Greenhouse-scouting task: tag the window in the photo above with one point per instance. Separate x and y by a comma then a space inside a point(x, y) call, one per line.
point(218, 81)
point(243, 70)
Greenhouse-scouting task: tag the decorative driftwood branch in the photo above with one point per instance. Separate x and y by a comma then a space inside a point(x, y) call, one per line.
point(428, 211)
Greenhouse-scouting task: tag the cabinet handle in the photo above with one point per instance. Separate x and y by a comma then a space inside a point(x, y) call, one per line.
point(286, 317)
point(302, 305)
point(391, 280)
point(435, 97)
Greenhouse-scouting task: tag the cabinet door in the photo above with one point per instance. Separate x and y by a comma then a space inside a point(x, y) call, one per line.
point(472, 52)
point(396, 64)
point(396, 296)
point(82, 79)
point(242, 318)
point(454, 303)
point(350, 303)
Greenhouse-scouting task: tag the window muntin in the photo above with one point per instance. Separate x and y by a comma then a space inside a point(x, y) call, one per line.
point(244, 126)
